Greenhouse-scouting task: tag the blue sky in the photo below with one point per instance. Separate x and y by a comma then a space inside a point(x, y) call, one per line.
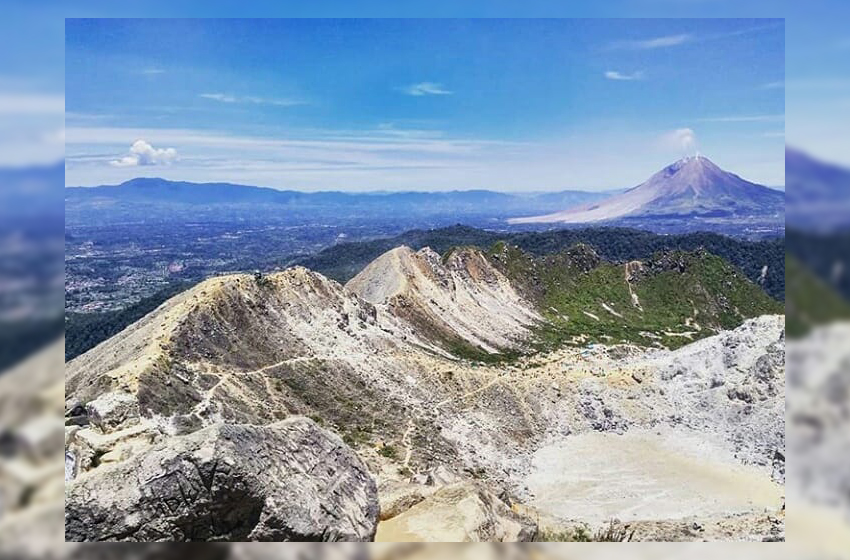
point(421, 104)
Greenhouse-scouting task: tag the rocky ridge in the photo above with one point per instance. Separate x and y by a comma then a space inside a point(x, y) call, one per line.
point(460, 297)
point(255, 350)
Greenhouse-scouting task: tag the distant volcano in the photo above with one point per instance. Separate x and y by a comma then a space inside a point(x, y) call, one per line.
point(690, 187)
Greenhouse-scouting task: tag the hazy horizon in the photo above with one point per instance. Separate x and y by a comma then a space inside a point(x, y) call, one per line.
point(424, 105)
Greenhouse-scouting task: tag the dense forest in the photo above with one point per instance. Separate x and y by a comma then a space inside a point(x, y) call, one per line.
point(343, 261)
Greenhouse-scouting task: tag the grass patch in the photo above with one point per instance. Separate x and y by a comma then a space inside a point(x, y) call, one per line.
point(388, 451)
point(613, 532)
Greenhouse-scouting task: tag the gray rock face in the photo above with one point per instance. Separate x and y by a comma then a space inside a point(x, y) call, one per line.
point(288, 481)
point(112, 411)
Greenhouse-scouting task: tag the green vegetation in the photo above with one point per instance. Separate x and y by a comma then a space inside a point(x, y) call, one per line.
point(343, 261)
point(678, 296)
point(388, 451)
point(810, 301)
point(613, 532)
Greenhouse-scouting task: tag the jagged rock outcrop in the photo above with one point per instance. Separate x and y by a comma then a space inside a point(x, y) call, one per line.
point(462, 512)
point(732, 384)
point(462, 296)
point(289, 481)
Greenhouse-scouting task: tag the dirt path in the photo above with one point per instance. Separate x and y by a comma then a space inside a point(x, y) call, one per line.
point(408, 445)
point(481, 389)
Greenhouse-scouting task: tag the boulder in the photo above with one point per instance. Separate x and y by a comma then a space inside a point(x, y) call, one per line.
point(396, 497)
point(288, 481)
point(442, 476)
point(463, 512)
point(113, 411)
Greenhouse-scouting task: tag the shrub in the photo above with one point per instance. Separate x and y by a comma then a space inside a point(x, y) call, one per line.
point(388, 451)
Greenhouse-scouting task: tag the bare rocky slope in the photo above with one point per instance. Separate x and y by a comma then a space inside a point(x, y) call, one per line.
point(430, 368)
point(460, 299)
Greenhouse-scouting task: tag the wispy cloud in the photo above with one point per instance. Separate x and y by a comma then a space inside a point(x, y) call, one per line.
point(426, 88)
point(654, 42)
point(142, 153)
point(674, 40)
point(625, 77)
point(153, 71)
point(774, 134)
point(32, 104)
point(743, 118)
point(773, 85)
point(776, 24)
point(385, 158)
point(229, 98)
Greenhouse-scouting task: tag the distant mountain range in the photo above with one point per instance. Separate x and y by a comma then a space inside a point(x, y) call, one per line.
point(159, 199)
point(692, 194)
point(693, 187)
point(818, 193)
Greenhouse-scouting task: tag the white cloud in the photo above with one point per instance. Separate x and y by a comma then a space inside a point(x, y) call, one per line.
point(773, 85)
point(228, 98)
point(620, 76)
point(142, 153)
point(224, 98)
point(426, 88)
point(152, 71)
point(661, 42)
